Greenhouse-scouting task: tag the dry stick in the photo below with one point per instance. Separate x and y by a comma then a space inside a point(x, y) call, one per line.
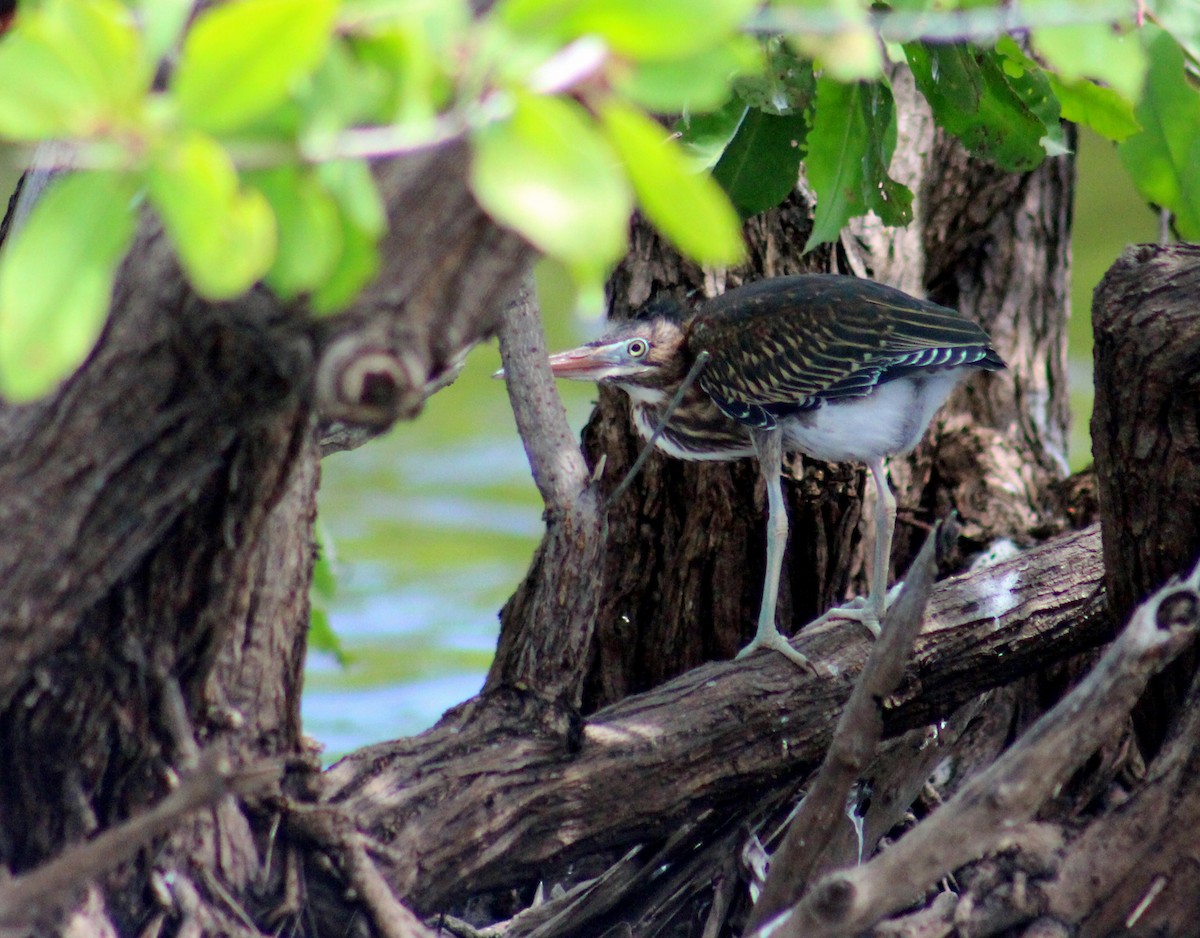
point(854, 743)
point(989, 808)
point(554, 456)
point(336, 833)
point(23, 898)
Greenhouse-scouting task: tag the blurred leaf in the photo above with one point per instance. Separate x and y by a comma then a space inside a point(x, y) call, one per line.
point(1164, 157)
point(240, 59)
point(56, 279)
point(163, 22)
point(705, 136)
point(1180, 18)
point(225, 236)
point(308, 225)
point(1093, 50)
point(786, 83)
point(549, 174)
point(971, 98)
point(687, 206)
point(70, 67)
point(847, 54)
point(699, 82)
point(362, 222)
point(321, 636)
point(353, 188)
point(760, 166)
point(357, 264)
point(850, 148)
point(662, 29)
point(1101, 109)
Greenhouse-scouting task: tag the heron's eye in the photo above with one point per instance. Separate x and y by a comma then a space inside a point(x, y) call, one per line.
point(637, 348)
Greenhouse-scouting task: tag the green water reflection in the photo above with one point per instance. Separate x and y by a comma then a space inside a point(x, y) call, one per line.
point(434, 525)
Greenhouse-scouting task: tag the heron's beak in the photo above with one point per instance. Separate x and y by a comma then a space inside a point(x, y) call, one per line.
point(586, 363)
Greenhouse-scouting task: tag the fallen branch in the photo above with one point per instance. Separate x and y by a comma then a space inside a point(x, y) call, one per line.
point(723, 732)
point(988, 809)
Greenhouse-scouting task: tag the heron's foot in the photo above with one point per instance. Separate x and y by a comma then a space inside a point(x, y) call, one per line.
point(864, 610)
point(773, 640)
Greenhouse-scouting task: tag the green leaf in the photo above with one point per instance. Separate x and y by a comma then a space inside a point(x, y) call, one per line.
point(56, 277)
point(241, 59)
point(785, 85)
point(1102, 109)
point(698, 82)
point(309, 228)
point(661, 29)
point(759, 168)
point(225, 236)
point(549, 174)
point(70, 68)
point(705, 136)
point(357, 264)
point(850, 148)
point(688, 207)
point(163, 22)
point(1094, 50)
point(970, 96)
point(1163, 158)
point(1030, 82)
point(848, 53)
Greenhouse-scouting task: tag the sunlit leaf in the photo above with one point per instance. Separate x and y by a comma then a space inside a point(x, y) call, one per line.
point(850, 148)
point(1164, 157)
point(69, 68)
point(662, 29)
point(163, 22)
point(356, 266)
point(56, 277)
point(225, 236)
point(847, 54)
point(970, 96)
point(241, 58)
point(1102, 109)
point(705, 136)
point(548, 173)
point(687, 206)
point(760, 166)
point(308, 225)
point(698, 82)
point(1093, 50)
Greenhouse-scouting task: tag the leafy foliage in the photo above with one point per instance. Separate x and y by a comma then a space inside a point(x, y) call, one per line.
point(254, 152)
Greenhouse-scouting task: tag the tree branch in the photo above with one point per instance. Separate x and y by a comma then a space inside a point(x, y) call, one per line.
point(719, 733)
point(988, 808)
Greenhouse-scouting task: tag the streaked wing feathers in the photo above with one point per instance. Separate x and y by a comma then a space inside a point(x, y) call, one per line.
point(803, 340)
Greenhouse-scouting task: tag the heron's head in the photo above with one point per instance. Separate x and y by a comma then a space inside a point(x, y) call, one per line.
point(638, 357)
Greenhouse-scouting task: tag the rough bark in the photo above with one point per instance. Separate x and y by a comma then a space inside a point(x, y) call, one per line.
point(158, 551)
point(717, 735)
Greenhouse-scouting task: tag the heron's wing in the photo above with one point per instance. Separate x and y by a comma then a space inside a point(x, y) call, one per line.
point(801, 341)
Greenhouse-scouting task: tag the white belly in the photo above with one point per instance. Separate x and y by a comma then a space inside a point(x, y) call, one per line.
point(892, 420)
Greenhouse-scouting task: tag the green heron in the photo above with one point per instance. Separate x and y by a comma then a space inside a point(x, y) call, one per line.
point(834, 367)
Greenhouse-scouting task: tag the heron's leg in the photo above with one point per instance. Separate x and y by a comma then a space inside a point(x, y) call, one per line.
point(870, 613)
point(768, 444)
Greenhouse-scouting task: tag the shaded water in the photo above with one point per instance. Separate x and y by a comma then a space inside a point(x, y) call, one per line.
point(433, 526)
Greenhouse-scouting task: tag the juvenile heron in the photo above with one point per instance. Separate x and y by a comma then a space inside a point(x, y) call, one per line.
point(834, 367)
